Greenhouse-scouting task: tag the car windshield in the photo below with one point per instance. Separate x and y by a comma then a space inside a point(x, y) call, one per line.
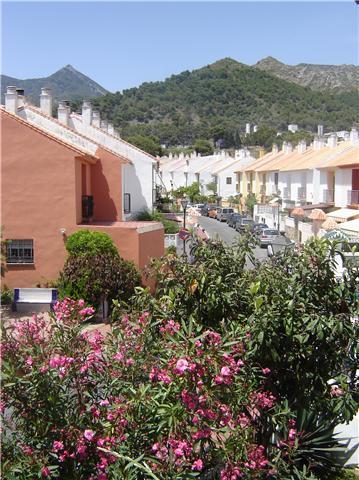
point(270, 232)
point(228, 210)
point(247, 221)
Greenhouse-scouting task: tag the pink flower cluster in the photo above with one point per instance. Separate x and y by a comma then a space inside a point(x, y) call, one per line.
point(170, 327)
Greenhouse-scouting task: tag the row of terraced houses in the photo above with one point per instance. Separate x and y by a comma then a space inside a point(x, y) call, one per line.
point(59, 175)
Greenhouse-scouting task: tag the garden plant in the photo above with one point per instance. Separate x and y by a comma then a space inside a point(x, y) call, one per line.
point(226, 372)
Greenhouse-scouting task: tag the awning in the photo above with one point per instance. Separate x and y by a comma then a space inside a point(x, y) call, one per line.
point(336, 235)
point(350, 228)
point(344, 214)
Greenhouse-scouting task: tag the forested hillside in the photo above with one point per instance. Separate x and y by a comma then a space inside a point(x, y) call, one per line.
point(215, 102)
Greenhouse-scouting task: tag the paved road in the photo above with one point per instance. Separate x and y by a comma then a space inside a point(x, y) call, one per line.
point(221, 230)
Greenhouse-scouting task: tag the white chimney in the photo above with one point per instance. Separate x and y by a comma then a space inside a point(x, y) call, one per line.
point(86, 113)
point(332, 140)
point(289, 148)
point(248, 128)
point(275, 149)
point(11, 100)
point(46, 101)
point(302, 146)
point(63, 112)
point(284, 147)
point(110, 129)
point(255, 128)
point(346, 136)
point(354, 136)
point(318, 143)
point(96, 119)
point(103, 125)
point(320, 130)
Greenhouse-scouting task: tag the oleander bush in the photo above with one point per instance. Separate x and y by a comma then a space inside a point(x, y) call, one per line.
point(223, 374)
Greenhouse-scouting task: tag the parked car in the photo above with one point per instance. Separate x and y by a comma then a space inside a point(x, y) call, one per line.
point(244, 224)
point(233, 218)
point(223, 214)
point(269, 235)
point(259, 227)
point(206, 209)
point(213, 212)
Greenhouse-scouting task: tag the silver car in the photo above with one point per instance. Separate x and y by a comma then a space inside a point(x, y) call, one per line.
point(223, 214)
point(269, 235)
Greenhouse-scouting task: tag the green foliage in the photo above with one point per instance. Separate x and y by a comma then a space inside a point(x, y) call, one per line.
point(204, 147)
point(250, 202)
point(7, 295)
point(93, 277)
point(207, 103)
point(90, 242)
point(170, 226)
point(150, 145)
point(212, 187)
point(192, 192)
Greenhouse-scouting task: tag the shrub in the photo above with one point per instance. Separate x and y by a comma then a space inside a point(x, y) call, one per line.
point(170, 226)
point(177, 398)
point(90, 242)
point(95, 277)
point(7, 295)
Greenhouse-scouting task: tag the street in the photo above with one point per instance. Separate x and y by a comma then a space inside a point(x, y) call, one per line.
point(221, 230)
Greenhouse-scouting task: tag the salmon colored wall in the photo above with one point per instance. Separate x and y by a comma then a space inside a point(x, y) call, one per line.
point(106, 184)
point(38, 187)
point(151, 246)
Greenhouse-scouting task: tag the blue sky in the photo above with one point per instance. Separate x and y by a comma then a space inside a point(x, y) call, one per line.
point(121, 45)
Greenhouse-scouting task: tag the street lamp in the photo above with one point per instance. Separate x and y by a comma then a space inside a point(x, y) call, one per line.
point(184, 203)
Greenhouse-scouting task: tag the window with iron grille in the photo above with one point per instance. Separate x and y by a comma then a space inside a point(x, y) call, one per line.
point(229, 180)
point(127, 203)
point(20, 251)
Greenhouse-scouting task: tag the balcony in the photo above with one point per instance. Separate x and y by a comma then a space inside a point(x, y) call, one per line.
point(353, 197)
point(87, 207)
point(328, 196)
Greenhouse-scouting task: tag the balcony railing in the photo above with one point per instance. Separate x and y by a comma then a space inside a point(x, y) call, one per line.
point(328, 196)
point(87, 207)
point(353, 197)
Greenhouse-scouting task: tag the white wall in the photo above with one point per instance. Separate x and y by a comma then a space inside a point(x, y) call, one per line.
point(343, 183)
point(138, 176)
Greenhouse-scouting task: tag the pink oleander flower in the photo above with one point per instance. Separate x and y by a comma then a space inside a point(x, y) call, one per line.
point(266, 371)
point(57, 446)
point(181, 366)
point(292, 434)
point(335, 391)
point(197, 465)
point(29, 361)
point(104, 403)
point(89, 435)
point(225, 372)
point(45, 472)
point(81, 303)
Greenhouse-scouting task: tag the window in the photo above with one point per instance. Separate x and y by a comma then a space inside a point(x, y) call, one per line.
point(229, 180)
point(127, 203)
point(20, 251)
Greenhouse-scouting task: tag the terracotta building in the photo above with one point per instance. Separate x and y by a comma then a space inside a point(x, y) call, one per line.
point(53, 185)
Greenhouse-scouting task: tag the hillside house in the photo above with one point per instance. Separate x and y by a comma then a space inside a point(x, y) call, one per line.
point(56, 181)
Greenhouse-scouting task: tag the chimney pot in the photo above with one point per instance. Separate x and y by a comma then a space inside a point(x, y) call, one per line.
point(96, 119)
point(87, 112)
point(46, 101)
point(332, 140)
point(11, 99)
point(63, 112)
point(354, 136)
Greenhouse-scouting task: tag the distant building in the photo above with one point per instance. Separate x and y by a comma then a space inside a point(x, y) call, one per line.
point(293, 127)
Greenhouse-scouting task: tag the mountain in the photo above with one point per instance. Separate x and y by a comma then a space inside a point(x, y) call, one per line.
point(216, 101)
point(338, 78)
point(67, 83)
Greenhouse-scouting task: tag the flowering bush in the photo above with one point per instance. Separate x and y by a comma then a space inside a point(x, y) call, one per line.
point(79, 405)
